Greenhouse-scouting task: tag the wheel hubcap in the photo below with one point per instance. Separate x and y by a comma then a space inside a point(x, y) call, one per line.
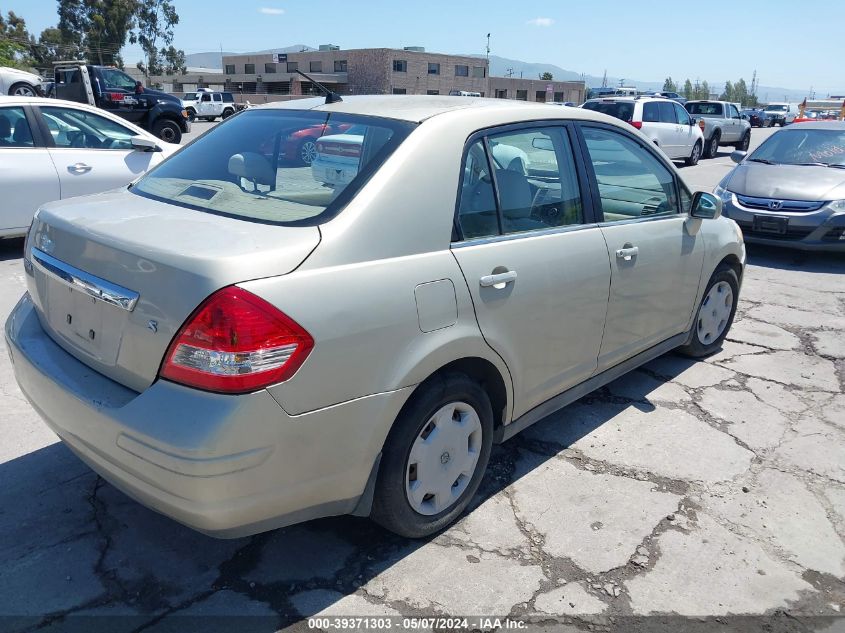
point(23, 91)
point(168, 135)
point(308, 152)
point(715, 312)
point(443, 458)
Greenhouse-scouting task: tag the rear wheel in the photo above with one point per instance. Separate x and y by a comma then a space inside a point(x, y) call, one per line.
point(744, 143)
point(696, 154)
point(715, 314)
point(435, 457)
point(167, 130)
point(22, 89)
point(307, 152)
point(712, 148)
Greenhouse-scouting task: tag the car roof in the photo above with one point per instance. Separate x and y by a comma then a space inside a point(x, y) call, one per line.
point(418, 108)
point(9, 99)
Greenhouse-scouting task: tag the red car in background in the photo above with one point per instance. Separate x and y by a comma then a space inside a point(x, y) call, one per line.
point(300, 147)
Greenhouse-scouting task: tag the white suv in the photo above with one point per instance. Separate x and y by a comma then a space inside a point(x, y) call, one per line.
point(665, 122)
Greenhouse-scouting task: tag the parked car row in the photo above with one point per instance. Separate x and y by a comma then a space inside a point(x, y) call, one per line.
point(688, 132)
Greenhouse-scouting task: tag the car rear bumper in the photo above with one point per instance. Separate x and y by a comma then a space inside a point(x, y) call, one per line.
point(815, 231)
point(224, 465)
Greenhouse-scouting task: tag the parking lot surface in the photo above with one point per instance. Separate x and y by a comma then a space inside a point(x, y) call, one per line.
point(704, 489)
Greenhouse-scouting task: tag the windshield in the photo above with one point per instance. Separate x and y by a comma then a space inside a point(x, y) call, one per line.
point(620, 109)
point(705, 109)
point(803, 146)
point(114, 78)
point(250, 167)
point(777, 108)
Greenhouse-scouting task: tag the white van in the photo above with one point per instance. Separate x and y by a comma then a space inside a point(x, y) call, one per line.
point(782, 113)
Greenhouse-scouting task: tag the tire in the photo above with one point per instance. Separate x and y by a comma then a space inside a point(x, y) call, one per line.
point(711, 149)
point(306, 152)
point(744, 143)
point(696, 154)
point(22, 89)
point(714, 316)
point(167, 130)
point(227, 113)
point(405, 501)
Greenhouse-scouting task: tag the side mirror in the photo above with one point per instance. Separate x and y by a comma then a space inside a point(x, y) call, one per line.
point(705, 206)
point(541, 142)
point(143, 144)
point(738, 156)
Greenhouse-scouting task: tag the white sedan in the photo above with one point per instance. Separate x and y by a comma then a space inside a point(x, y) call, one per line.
point(19, 82)
point(52, 149)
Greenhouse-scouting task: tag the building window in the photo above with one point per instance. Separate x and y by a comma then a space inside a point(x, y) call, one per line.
point(432, 92)
point(400, 66)
point(541, 96)
point(400, 91)
point(479, 72)
point(522, 95)
point(315, 67)
point(340, 66)
point(482, 93)
point(433, 69)
point(559, 97)
point(230, 69)
point(501, 94)
point(461, 71)
point(270, 68)
point(249, 69)
point(293, 67)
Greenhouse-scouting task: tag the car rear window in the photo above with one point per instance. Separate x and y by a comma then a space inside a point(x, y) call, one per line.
point(250, 167)
point(620, 109)
point(705, 109)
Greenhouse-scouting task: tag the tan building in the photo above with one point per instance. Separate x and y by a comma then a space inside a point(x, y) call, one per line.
point(411, 70)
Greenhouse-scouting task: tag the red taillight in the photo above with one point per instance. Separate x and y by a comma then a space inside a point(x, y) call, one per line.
point(637, 124)
point(115, 96)
point(236, 342)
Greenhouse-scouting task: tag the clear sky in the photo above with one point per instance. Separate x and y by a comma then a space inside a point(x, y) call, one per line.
point(791, 44)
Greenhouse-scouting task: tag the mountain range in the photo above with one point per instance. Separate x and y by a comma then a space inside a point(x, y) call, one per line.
point(503, 66)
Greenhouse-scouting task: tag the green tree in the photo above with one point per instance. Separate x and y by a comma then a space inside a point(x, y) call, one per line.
point(155, 21)
point(705, 90)
point(173, 60)
point(14, 41)
point(546, 76)
point(728, 94)
point(741, 92)
point(99, 27)
point(688, 94)
point(669, 85)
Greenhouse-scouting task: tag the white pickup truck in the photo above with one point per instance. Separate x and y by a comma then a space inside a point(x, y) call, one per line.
point(208, 104)
point(721, 124)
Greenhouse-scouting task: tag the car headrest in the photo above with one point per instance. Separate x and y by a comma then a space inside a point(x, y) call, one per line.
point(254, 167)
point(514, 193)
point(22, 135)
point(5, 126)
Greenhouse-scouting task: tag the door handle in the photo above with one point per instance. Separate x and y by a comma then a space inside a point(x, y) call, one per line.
point(500, 279)
point(79, 168)
point(627, 253)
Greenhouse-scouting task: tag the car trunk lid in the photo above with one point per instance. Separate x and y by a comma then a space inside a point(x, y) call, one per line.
point(114, 276)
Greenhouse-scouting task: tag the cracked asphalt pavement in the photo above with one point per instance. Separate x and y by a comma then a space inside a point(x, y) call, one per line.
point(706, 489)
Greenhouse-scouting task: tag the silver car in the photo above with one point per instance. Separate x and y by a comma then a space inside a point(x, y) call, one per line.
point(240, 347)
point(791, 190)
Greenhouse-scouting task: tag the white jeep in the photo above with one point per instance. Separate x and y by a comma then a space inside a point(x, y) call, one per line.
point(208, 104)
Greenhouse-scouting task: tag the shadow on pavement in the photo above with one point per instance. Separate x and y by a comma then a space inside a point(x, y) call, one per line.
point(791, 259)
point(73, 546)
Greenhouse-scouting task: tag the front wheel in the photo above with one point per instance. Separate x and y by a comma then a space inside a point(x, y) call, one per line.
point(167, 130)
point(22, 89)
point(434, 457)
point(696, 154)
point(307, 152)
point(715, 314)
point(227, 113)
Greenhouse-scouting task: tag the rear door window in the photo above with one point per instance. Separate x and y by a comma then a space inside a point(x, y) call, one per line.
point(651, 113)
point(683, 115)
point(623, 110)
point(667, 112)
point(239, 169)
point(14, 129)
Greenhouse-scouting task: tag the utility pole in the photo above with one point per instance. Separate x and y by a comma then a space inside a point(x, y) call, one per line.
point(509, 72)
point(604, 79)
point(754, 83)
point(488, 51)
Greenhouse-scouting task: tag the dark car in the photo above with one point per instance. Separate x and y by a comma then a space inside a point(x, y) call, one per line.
point(756, 117)
point(674, 96)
